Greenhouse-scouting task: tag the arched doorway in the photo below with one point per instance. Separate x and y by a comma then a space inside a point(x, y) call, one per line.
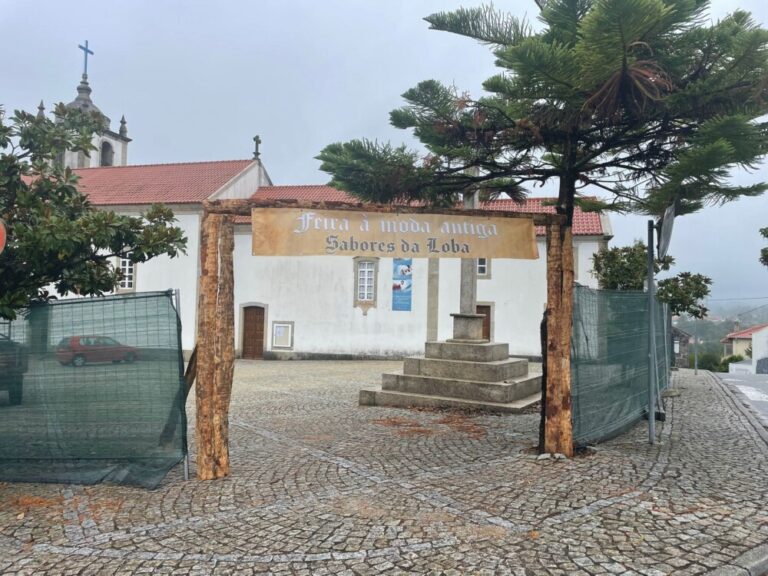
point(253, 332)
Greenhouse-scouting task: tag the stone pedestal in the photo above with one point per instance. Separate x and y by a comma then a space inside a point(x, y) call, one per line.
point(468, 327)
point(460, 373)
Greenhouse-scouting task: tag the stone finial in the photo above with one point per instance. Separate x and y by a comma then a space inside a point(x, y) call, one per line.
point(123, 128)
point(41, 111)
point(257, 141)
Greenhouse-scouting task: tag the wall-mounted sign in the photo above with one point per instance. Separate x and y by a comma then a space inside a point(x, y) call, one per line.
point(303, 232)
point(3, 235)
point(402, 284)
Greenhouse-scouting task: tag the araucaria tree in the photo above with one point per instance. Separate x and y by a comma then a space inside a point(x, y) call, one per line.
point(764, 251)
point(643, 99)
point(56, 238)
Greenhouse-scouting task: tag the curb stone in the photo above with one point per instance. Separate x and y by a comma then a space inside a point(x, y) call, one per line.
point(752, 563)
point(746, 403)
point(741, 402)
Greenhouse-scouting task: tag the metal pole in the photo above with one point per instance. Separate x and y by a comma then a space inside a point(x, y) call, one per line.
point(177, 299)
point(651, 342)
point(696, 347)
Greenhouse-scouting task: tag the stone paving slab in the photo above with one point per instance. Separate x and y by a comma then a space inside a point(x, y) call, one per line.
point(323, 486)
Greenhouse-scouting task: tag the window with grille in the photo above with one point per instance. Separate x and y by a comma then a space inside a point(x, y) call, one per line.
point(128, 270)
point(366, 271)
point(365, 286)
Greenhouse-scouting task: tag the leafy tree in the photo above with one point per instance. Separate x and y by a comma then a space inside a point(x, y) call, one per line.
point(684, 294)
point(56, 238)
point(764, 251)
point(626, 268)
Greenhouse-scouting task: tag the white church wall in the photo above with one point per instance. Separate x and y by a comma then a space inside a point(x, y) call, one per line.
point(163, 273)
point(316, 294)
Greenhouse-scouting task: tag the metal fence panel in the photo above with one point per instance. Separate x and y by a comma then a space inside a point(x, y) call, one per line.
point(610, 361)
point(101, 397)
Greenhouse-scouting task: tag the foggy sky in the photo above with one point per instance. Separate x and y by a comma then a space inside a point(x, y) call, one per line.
point(197, 80)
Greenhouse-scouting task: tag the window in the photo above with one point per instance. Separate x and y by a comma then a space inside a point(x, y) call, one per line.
point(128, 270)
point(366, 273)
point(484, 268)
point(365, 286)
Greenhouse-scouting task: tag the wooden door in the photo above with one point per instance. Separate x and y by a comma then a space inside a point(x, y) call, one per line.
point(486, 310)
point(253, 332)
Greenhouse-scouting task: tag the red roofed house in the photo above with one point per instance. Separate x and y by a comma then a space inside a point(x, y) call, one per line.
point(738, 342)
point(323, 306)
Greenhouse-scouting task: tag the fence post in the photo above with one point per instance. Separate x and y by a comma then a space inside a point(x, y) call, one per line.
point(651, 341)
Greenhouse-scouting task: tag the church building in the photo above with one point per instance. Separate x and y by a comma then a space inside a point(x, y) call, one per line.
point(320, 306)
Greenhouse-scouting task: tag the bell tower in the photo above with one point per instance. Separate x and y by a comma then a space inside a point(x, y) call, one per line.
point(111, 147)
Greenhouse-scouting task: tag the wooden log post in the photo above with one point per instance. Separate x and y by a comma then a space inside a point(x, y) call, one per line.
point(224, 345)
point(558, 418)
point(208, 429)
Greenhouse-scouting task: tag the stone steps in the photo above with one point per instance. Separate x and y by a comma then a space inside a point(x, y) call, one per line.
point(491, 371)
point(481, 391)
point(373, 397)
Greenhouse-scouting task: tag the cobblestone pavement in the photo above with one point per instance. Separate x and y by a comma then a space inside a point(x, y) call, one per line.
point(322, 486)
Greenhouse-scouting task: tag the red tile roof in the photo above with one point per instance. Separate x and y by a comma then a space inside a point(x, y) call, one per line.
point(584, 223)
point(183, 183)
point(193, 182)
point(307, 193)
point(744, 334)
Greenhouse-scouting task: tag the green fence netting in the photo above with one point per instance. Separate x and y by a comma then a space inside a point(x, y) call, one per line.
point(91, 390)
point(610, 361)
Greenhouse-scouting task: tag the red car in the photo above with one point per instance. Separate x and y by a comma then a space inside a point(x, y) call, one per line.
point(81, 350)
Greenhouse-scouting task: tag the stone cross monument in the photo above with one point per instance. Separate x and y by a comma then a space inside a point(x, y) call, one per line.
point(467, 323)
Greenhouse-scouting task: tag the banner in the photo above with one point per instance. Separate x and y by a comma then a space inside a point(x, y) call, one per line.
point(402, 284)
point(303, 232)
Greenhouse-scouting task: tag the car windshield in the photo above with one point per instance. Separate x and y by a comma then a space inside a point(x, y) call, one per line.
point(109, 342)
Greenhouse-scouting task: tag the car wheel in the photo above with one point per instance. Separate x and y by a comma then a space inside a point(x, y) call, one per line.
point(15, 392)
point(78, 360)
point(130, 357)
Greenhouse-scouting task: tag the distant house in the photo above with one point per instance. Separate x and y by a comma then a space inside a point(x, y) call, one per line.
point(681, 343)
point(737, 343)
point(760, 351)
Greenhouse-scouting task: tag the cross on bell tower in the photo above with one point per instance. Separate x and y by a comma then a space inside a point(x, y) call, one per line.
point(86, 51)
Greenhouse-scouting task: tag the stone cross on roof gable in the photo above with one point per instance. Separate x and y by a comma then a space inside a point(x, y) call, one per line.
point(256, 152)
